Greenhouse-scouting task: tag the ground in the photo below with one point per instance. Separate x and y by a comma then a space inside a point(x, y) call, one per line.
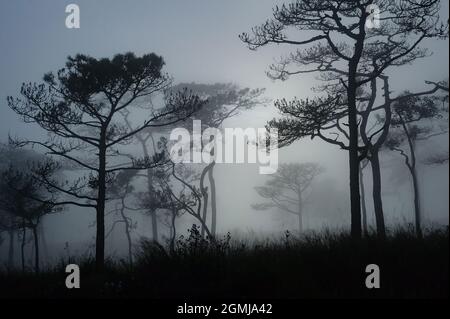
point(321, 265)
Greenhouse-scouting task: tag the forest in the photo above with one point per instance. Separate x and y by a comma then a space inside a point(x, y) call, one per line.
point(299, 150)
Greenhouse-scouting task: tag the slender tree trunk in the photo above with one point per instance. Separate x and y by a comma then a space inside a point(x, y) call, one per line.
point(412, 168)
point(376, 190)
point(22, 247)
point(154, 225)
point(363, 201)
point(173, 231)
point(36, 249)
point(153, 215)
point(212, 185)
point(127, 230)
point(300, 214)
point(417, 212)
point(204, 191)
point(197, 214)
point(101, 201)
point(205, 209)
point(11, 249)
point(42, 238)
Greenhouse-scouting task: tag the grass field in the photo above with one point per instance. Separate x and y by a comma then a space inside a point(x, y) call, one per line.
point(320, 265)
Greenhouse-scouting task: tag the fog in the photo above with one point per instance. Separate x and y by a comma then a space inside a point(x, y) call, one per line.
point(199, 43)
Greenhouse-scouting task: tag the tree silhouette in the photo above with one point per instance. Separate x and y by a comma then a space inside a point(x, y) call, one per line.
point(363, 164)
point(144, 138)
point(15, 160)
point(224, 101)
point(81, 108)
point(341, 48)
point(175, 198)
point(26, 200)
point(122, 188)
point(324, 118)
point(410, 115)
point(176, 190)
point(286, 189)
point(8, 224)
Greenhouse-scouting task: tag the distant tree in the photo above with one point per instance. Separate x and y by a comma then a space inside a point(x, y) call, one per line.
point(341, 48)
point(177, 191)
point(362, 166)
point(413, 122)
point(172, 199)
point(189, 197)
point(440, 157)
point(20, 159)
point(437, 158)
point(26, 200)
point(120, 189)
point(81, 109)
point(8, 225)
point(286, 189)
point(224, 101)
point(146, 140)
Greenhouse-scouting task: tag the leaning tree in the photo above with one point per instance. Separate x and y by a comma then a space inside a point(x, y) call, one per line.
point(342, 42)
point(287, 188)
point(80, 107)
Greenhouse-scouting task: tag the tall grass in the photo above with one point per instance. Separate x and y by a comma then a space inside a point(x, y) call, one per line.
point(322, 264)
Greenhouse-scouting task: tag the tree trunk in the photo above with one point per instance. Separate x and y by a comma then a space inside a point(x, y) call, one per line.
point(11, 249)
point(412, 169)
point(355, 203)
point(22, 247)
point(204, 191)
point(154, 225)
point(174, 232)
point(36, 249)
point(205, 209)
point(101, 201)
point(363, 201)
point(42, 238)
point(153, 215)
point(300, 214)
point(127, 231)
point(212, 185)
point(377, 200)
point(417, 212)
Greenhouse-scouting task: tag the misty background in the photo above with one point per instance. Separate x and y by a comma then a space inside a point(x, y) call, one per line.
point(199, 43)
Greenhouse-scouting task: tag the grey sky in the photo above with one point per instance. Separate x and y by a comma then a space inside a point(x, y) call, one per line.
point(198, 39)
